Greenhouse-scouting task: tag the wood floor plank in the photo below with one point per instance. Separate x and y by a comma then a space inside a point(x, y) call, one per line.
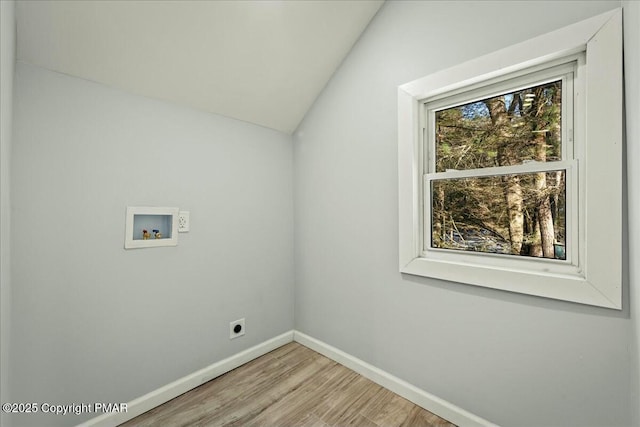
point(299, 354)
point(353, 398)
point(219, 396)
point(294, 409)
point(388, 409)
point(419, 417)
point(328, 398)
point(281, 351)
point(356, 420)
point(310, 421)
point(291, 386)
point(254, 401)
point(209, 397)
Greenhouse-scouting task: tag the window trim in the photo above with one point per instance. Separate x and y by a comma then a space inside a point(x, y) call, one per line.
point(597, 279)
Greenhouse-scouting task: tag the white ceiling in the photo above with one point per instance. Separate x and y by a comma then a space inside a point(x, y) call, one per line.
point(263, 62)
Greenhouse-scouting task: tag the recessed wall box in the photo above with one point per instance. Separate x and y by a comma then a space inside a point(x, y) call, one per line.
point(149, 227)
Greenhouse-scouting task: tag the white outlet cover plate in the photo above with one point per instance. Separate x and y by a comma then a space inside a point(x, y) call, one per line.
point(232, 325)
point(183, 221)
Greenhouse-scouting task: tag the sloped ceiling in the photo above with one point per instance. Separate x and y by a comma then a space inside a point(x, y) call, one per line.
point(263, 62)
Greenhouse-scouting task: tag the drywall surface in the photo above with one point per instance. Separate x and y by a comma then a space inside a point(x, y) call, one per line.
point(631, 15)
point(512, 359)
point(94, 322)
point(7, 64)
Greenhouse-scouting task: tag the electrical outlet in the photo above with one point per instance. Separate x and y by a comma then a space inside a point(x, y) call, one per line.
point(236, 328)
point(183, 221)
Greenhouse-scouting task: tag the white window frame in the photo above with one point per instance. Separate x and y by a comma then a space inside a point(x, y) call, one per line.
point(568, 68)
point(593, 273)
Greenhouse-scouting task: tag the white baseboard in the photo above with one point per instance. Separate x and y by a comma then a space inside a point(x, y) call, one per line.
point(410, 392)
point(164, 394)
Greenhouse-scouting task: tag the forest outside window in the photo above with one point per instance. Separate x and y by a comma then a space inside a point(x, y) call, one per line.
point(510, 167)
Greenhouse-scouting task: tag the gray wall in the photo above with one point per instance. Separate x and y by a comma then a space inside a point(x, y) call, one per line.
point(513, 359)
point(93, 322)
point(632, 98)
point(7, 57)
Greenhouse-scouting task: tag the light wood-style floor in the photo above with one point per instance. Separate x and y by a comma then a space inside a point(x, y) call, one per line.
point(291, 386)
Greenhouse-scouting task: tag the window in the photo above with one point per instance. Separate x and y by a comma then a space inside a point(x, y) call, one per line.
point(510, 168)
point(497, 167)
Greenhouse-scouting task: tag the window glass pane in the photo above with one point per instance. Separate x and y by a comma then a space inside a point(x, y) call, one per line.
point(504, 130)
point(521, 214)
